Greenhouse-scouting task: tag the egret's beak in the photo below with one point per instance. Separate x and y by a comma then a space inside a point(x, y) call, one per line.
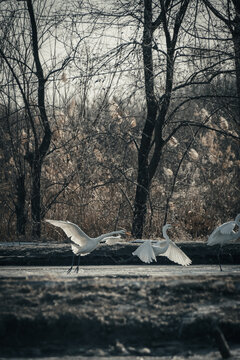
point(128, 233)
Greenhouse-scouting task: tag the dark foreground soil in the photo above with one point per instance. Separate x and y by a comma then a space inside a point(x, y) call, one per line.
point(108, 316)
point(44, 315)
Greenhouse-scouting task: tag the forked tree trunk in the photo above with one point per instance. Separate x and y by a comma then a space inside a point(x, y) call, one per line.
point(143, 180)
point(41, 146)
point(150, 150)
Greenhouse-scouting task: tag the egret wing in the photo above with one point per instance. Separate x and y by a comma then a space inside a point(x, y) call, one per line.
point(221, 234)
point(72, 231)
point(145, 252)
point(227, 227)
point(111, 240)
point(213, 237)
point(75, 249)
point(175, 254)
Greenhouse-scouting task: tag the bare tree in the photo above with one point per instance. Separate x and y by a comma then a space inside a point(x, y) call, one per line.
point(41, 146)
point(229, 13)
point(152, 142)
point(117, 129)
point(168, 55)
point(33, 80)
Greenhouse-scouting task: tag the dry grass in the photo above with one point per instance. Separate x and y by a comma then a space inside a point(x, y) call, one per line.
point(93, 172)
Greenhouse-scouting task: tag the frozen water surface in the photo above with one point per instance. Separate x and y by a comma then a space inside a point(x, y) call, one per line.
point(115, 271)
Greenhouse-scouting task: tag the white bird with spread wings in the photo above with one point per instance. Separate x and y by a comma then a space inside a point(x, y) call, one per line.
point(150, 249)
point(224, 234)
point(81, 243)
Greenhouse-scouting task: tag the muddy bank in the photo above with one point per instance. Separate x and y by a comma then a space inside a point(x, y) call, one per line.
point(124, 315)
point(49, 254)
point(131, 315)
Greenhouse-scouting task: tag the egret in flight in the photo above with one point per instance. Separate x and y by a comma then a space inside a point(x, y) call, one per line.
point(223, 234)
point(149, 249)
point(81, 243)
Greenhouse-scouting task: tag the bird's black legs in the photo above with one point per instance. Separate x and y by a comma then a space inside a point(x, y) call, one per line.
point(70, 269)
point(77, 268)
point(219, 259)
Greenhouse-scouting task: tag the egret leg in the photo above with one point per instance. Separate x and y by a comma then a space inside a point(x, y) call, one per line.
point(70, 269)
point(77, 268)
point(219, 259)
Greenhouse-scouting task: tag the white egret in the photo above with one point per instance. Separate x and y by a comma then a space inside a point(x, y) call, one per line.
point(149, 249)
point(223, 234)
point(81, 243)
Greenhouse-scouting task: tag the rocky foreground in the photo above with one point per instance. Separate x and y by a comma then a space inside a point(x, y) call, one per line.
point(123, 315)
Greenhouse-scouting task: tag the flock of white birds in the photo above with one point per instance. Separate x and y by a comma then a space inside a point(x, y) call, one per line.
point(147, 252)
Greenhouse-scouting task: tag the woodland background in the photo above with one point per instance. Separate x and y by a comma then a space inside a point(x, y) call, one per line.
point(125, 115)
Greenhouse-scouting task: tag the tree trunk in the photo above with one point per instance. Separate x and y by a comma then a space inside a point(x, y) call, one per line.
point(20, 206)
point(156, 110)
point(40, 147)
point(36, 198)
point(143, 180)
point(140, 204)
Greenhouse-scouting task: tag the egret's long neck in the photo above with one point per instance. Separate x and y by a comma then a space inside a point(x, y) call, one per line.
point(164, 231)
point(103, 236)
point(237, 220)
